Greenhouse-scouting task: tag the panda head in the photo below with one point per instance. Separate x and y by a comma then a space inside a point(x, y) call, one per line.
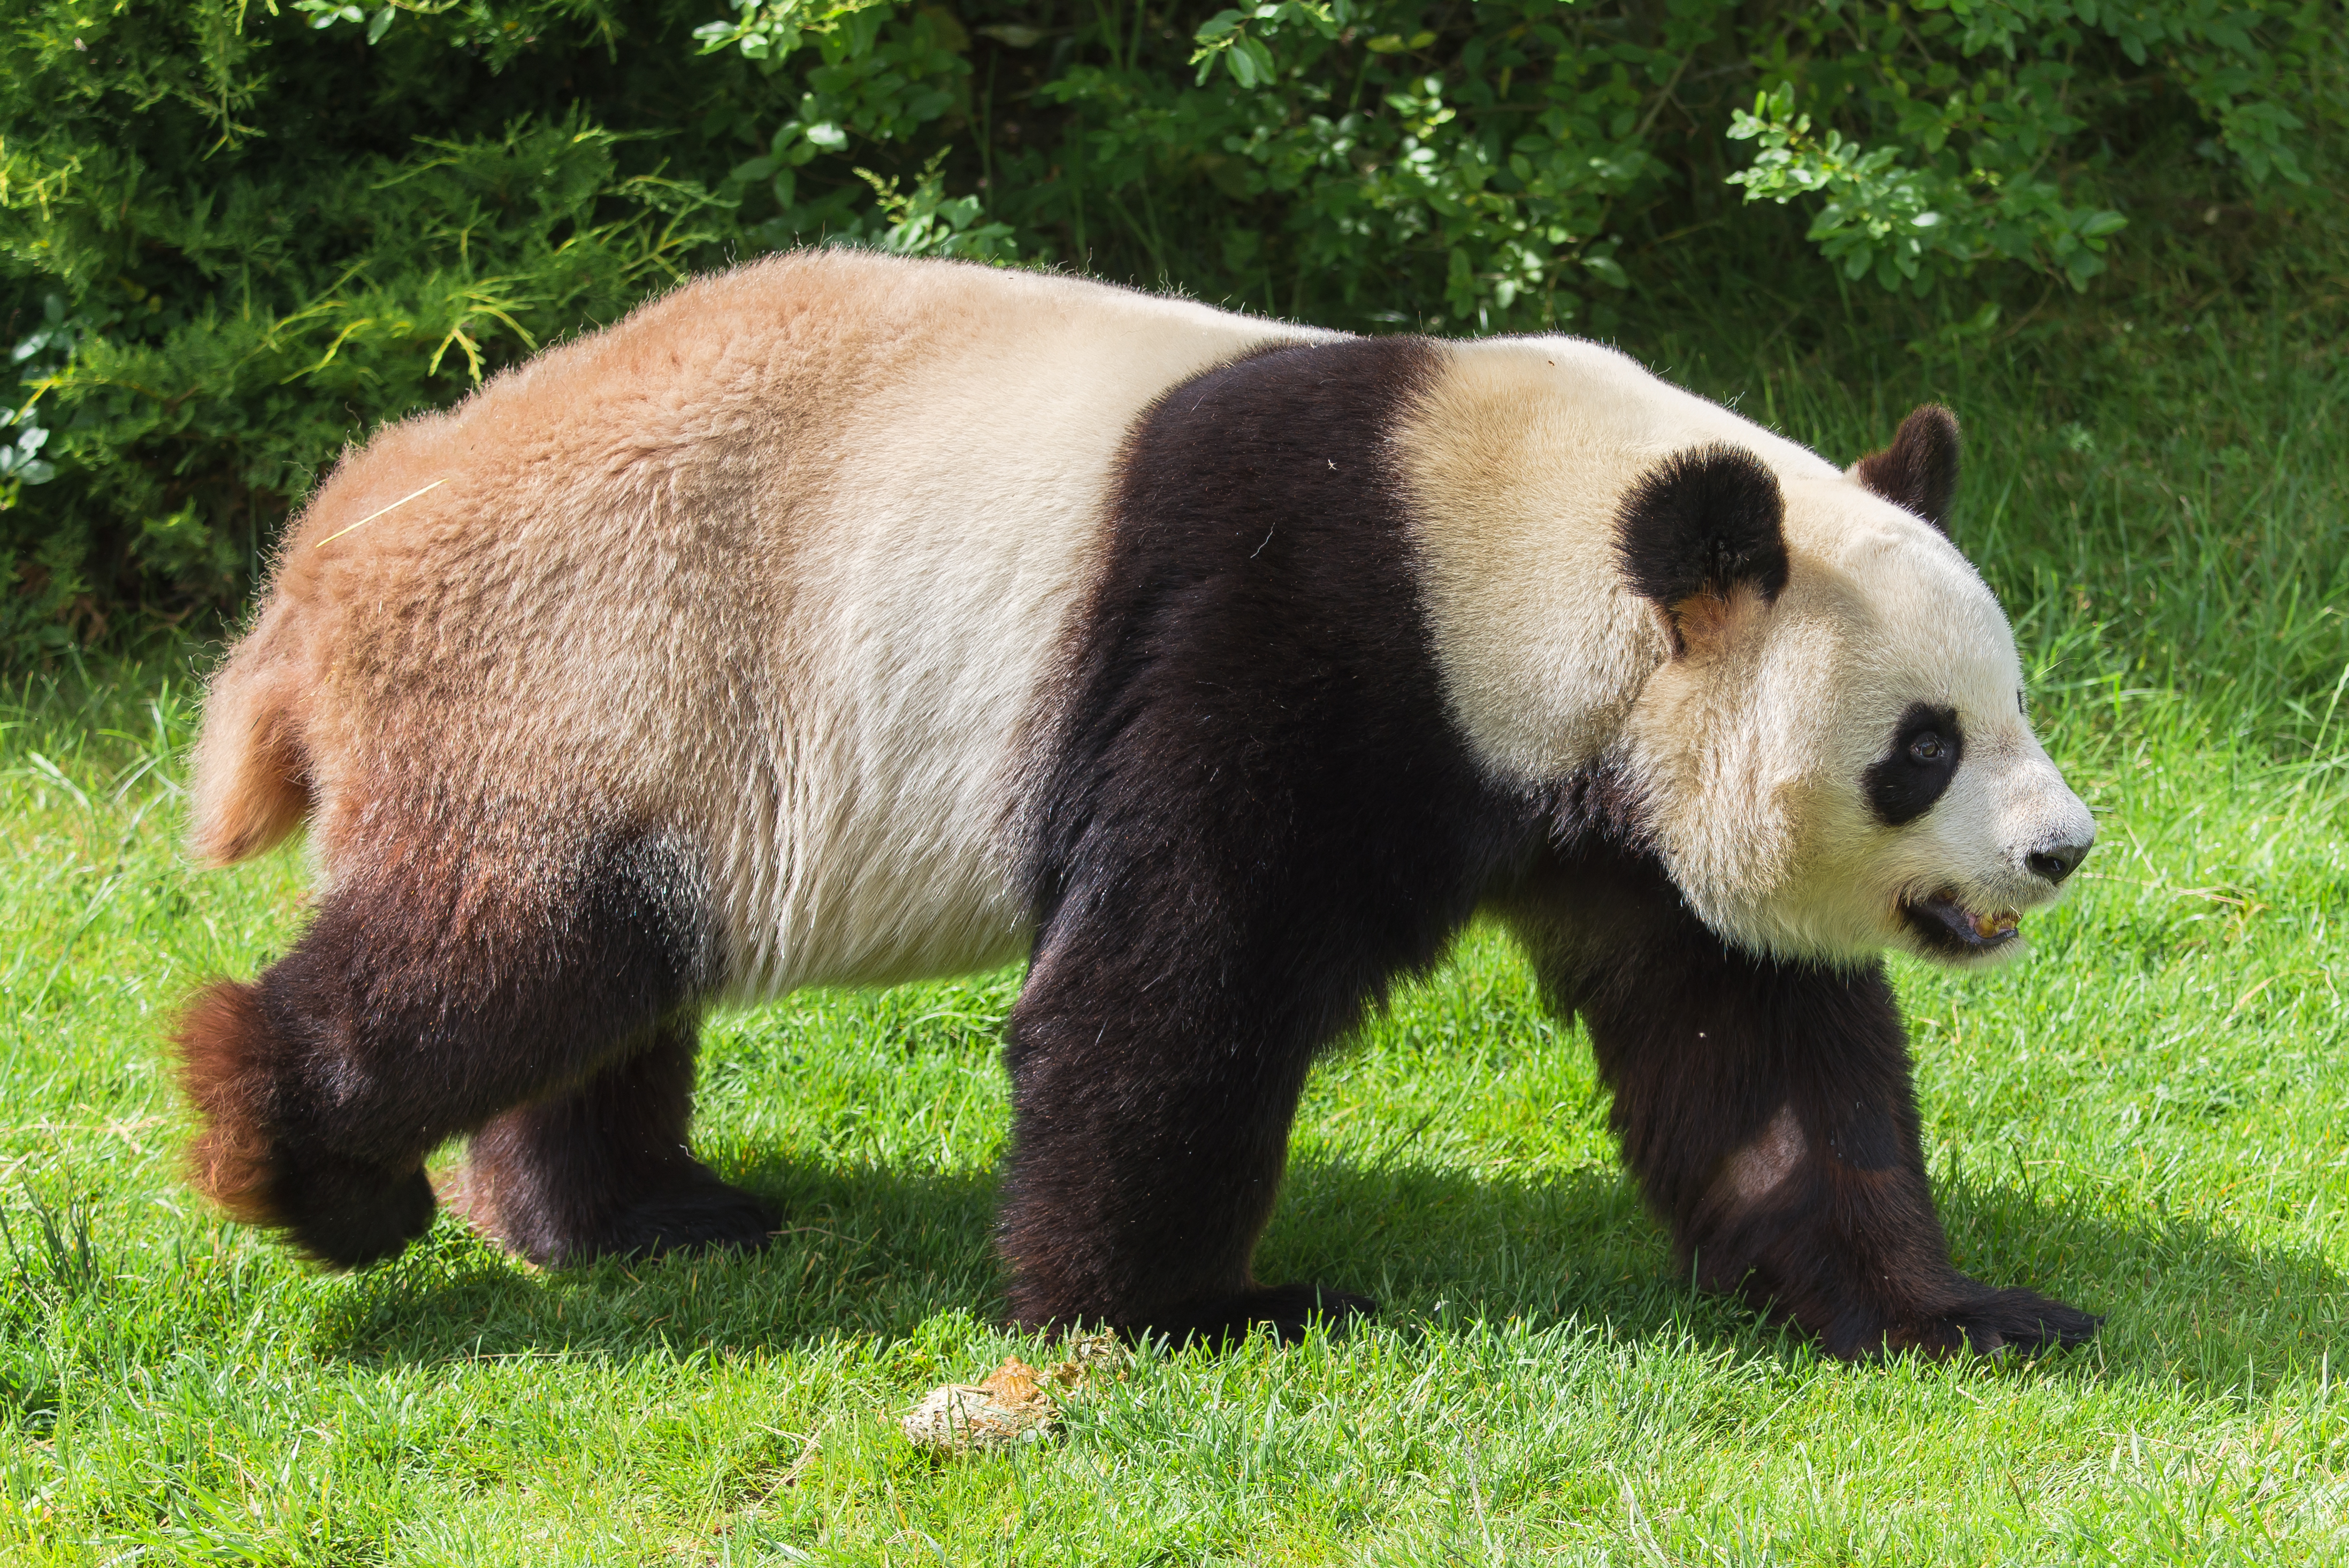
point(1836, 756)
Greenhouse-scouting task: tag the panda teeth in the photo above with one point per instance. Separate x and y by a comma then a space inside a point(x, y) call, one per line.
point(1963, 927)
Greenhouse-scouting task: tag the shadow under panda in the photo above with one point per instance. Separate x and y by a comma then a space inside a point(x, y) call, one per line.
point(844, 619)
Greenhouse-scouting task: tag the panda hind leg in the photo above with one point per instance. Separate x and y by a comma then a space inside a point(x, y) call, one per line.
point(427, 1000)
point(340, 1195)
point(603, 1169)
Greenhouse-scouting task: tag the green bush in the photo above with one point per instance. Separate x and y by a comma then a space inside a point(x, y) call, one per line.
point(236, 235)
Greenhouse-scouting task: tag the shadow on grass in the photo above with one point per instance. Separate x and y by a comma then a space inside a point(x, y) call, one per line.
point(879, 1251)
point(2181, 1301)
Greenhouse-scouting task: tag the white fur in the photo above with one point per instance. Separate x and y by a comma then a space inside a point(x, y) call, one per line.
point(937, 590)
point(778, 568)
point(1750, 749)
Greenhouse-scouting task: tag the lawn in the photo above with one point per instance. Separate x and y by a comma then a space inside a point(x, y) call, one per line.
point(2147, 1115)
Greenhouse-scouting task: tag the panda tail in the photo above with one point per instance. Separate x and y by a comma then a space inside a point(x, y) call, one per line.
point(251, 785)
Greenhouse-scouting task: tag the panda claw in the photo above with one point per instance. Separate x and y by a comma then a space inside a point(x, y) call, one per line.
point(1999, 1322)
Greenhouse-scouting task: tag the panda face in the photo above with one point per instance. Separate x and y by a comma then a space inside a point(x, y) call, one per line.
point(1847, 765)
point(1942, 817)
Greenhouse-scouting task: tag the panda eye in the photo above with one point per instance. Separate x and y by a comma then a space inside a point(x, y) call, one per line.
point(1925, 748)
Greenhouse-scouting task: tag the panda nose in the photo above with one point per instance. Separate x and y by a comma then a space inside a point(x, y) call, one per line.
point(2056, 861)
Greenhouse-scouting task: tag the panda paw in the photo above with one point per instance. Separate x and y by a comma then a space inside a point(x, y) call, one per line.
point(1285, 1310)
point(1993, 1322)
point(690, 1216)
point(348, 1216)
point(693, 1219)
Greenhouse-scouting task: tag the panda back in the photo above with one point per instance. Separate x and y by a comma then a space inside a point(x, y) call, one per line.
point(773, 568)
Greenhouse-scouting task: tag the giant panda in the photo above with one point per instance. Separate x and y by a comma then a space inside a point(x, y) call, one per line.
point(844, 619)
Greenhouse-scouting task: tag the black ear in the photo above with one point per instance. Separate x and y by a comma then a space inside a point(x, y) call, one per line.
point(1697, 527)
point(1919, 469)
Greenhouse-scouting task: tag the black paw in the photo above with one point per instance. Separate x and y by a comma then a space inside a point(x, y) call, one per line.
point(692, 1220)
point(1993, 1322)
point(350, 1216)
point(1286, 1310)
point(556, 1227)
point(2024, 1320)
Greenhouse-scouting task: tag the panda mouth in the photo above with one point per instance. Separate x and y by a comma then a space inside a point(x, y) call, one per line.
point(1950, 926)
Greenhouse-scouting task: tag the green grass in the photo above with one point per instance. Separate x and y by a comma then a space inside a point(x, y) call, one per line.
point(2148, 1114)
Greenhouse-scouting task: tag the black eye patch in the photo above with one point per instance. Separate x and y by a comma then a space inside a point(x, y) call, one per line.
point(1926, 746)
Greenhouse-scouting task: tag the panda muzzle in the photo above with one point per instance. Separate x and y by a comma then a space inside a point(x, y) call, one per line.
point(1946, 923)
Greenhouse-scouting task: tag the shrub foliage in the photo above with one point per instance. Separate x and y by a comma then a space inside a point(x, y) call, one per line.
point(234, 234)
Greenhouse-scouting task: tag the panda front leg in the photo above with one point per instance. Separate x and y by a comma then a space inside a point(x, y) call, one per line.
point(1153, 1088)
point(1768, 1111)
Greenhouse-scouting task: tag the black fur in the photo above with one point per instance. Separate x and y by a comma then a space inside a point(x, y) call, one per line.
point(436, 996)
point(1919, 469)
point(1703, 1046)
point(605, 1170)
point(1254, 818)
point(1926, 746)
point(1703, 524)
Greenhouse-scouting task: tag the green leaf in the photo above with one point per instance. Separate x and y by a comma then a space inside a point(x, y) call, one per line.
point(1219, 26)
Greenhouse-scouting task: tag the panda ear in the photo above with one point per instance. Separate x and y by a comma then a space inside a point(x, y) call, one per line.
point(1696, 528)
point(1919, 469)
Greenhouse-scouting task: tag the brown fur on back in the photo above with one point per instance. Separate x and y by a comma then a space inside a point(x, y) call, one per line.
point(767, 564)
point(528, 545)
